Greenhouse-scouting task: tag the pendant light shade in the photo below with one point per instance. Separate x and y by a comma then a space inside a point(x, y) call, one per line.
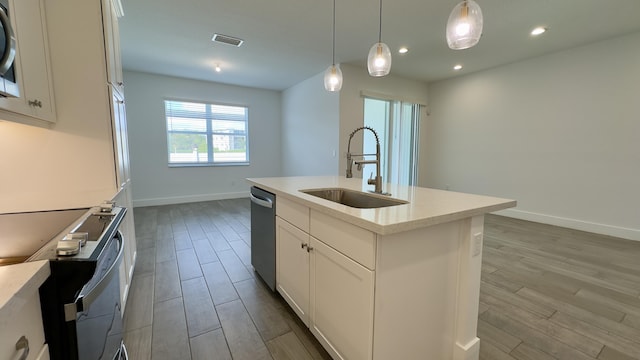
point(333, 78)
point(379, 60)
point(333, 74)
point(464, 27)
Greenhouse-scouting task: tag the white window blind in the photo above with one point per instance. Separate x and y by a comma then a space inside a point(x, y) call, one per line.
point(206, 134)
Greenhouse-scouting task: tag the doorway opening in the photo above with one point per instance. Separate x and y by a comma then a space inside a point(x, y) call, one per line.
point(397, 124)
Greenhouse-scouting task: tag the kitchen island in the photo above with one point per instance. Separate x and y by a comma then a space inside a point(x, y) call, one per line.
point(395, 282)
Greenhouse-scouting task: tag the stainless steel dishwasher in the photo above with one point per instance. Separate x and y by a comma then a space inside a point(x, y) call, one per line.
point(263, 235)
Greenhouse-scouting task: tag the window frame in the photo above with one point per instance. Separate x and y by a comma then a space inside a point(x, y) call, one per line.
point(209, 133)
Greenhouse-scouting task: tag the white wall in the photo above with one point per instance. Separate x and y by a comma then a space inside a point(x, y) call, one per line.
point(155, 183)
point(310, 128)
point(559, 133)
point(317, 123)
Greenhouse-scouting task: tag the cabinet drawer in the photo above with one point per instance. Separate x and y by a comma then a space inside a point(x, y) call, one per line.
point(293, 212)
point(353, 241)
point(28, 323)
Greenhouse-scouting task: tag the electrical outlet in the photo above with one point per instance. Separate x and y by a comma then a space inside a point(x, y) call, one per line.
point(477, 244)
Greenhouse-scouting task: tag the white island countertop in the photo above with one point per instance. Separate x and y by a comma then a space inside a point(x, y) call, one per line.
point(426, 206)
point(20, 282)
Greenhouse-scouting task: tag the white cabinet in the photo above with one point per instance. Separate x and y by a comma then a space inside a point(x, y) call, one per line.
point(120, 137)
point(127, 228)
point(341, 303)
point(111, 11)
point(27, 323)
point(331, 292)
point(32, 66)
point(292, 267)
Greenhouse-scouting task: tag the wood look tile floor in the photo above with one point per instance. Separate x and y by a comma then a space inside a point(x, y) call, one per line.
point(546, 292)
point(194, 294)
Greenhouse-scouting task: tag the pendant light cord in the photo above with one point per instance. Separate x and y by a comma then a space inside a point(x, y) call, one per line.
point(334, 34)
point(380, 25)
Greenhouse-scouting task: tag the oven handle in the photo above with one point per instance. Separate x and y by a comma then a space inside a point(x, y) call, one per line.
point(84, 301)
point(122, 353)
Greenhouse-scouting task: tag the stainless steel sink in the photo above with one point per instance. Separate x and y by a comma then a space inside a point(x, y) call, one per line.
point(353, 198)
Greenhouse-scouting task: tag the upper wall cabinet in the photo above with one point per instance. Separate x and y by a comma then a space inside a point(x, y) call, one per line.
point(32, 66)
point(111, 11)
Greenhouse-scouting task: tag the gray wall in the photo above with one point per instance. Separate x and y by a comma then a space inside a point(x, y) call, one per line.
point(310, 125)
point(154, 182)
point(559, 133)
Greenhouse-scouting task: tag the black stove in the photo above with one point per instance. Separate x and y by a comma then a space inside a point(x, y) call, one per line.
point(81, 299)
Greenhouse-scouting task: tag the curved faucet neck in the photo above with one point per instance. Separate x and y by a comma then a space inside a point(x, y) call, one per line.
point(378, 179)
point(358, 129)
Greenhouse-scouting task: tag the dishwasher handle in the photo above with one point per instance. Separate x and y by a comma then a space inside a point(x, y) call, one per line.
point(264, 202)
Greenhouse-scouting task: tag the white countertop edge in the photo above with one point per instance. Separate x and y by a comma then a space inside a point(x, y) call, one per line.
point(19, 283)
point(342, 211)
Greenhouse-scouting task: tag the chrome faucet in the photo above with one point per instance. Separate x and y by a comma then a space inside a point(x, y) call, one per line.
point(377, 181)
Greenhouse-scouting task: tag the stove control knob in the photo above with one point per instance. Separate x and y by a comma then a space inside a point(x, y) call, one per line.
point(107, 206)
point(68, 247)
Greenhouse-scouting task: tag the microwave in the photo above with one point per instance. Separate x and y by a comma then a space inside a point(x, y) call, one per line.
point(8, 82)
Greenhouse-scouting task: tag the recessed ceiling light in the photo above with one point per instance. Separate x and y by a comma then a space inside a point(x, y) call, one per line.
point(538, 31)
point(218, 68)
point(403, 50)
point(457, 67)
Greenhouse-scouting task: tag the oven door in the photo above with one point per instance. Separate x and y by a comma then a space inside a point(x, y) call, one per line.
point(98, 318)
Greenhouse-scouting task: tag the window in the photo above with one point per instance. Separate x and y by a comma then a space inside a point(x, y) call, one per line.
point(206, 134)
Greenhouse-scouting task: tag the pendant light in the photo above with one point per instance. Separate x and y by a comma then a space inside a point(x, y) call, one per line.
point(333, 75)
point(464, 27)
point(379, 60)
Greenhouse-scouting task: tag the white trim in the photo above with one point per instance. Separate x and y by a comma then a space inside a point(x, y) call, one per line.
point(469, 351)
point(381, 96)
point(610, 230)
point(189, 199)
point(117, 5)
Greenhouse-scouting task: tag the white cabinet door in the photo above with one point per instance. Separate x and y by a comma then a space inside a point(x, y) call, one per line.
point(127, 229)
point(25, 322)
point(292, 267)
point(341, 303)
point(32, 64)
point(112, 43)
point(120, 138)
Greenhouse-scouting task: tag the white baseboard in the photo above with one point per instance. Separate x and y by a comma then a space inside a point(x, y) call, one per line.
point(469, 351)
point(188, 199)
point(610, 230)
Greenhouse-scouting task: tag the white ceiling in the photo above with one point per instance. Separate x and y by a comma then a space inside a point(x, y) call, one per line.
point(287, 41)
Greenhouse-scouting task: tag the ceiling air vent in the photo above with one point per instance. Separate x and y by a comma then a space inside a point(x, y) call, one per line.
point(227, 39)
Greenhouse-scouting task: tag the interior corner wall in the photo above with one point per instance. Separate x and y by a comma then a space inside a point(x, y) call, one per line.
point(310, 125)
point(153, 181)
point(559, 133)
point(357, 80)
